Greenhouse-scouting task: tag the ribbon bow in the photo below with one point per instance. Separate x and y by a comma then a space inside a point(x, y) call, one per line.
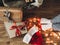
point(18, 28)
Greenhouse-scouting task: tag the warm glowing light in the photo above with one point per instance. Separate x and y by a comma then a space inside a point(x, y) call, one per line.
point(38, 19)
point(51, 34)
point(48, 42)
point(48, 39)
point(46, 34)
point(51, 41)
point(30, 23)
point(59, 34)
point(30, 20)
point(58, 37)
point(54, 34)
point(51, 29)
point(28, 27)
point(34, 19)
point(55, 43)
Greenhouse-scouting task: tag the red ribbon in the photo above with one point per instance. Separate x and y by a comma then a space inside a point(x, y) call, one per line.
point(18, 28)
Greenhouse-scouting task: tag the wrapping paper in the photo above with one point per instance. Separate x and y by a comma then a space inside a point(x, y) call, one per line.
point(11, 33)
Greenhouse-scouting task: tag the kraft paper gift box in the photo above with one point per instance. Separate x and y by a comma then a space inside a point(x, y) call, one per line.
point(11, 33)
point(16, 14)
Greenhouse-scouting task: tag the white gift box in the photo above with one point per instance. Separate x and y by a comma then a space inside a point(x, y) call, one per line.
point(47, 25)
point(11, 33)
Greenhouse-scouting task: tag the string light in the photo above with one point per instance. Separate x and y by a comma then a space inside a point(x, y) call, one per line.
point(54, 34)
point(51, 29)
point(55, 43)
point(48, 39)
point(34, 19)
point(30, 24)
point(38, 19)
point(46, 35)
point(59, 34)
point(51, 41)
point(51, 34)
point(58, 37)
point(30, 20)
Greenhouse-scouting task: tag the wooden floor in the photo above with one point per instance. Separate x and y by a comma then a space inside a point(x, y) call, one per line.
point(49, 9)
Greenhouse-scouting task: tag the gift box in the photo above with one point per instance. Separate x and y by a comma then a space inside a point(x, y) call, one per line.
point(16, 14)
point(46, 23)
point(13, 30)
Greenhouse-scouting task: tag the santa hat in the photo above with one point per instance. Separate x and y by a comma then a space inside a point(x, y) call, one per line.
point(30, 33)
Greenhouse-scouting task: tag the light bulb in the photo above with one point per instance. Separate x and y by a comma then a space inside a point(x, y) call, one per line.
point(51, 34)
point(38, 19)
point(51, 41)
point(30, 20)
point(54, 34)
point(59, 34)
point(48, 39)
point(34, 19)
point(58, 37)
point(46, 34)
point(55, 43)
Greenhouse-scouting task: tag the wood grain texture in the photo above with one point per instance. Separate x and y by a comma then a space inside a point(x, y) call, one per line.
point(49, 9)
point(16, 14)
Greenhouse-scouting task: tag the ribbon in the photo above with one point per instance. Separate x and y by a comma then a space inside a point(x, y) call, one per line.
point(18, 28)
